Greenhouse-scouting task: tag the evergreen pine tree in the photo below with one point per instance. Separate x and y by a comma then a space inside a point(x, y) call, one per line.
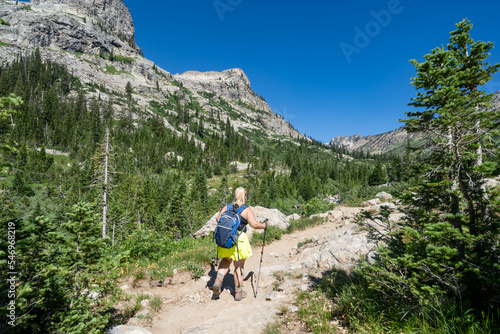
point(446, 253)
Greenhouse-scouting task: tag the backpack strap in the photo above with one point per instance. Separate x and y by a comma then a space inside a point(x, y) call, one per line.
point(241, 208)
point(229, 206)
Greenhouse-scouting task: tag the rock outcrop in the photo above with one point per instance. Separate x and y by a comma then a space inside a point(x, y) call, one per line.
point(340, 249)
point(233, 86)
point(122, 329)
point(83, 26)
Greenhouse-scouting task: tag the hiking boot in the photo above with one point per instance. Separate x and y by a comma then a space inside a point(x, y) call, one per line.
point(240, 294)
point(217, 287)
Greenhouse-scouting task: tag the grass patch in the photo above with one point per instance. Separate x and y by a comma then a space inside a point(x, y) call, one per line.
point(316, 311)
point(274, 233)
point(348, 299)
point(4, 44)
point(123, 59)
point(302, 243)
point(113, 71)
point(272, 328)
point(155, 303)
point(191, 255)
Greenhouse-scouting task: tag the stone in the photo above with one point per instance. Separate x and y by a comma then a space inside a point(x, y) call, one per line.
point(396, 217)
point(391, 206)
point(240, 166)
point(274, 295)
point(371, 202)
point(286, 285)
point(492, 182)
point(122, 329)
point(342, 248)
point(384, 196)
point(293, 217)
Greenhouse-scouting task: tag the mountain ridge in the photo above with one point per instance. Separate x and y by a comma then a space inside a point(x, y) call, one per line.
point(77, 34)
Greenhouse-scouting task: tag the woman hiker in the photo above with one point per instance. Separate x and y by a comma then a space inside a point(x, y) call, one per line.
point(245, 250)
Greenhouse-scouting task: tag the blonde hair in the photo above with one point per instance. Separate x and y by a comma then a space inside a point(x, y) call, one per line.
point(240, 195)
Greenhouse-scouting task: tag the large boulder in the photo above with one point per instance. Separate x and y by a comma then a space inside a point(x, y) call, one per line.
point(341, 249)
point(492, 182)
point(383, 195)
point(294, 217)
point(371, 202)
point(276, 218)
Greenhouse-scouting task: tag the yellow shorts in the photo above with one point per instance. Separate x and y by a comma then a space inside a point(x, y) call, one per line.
point(245, 250)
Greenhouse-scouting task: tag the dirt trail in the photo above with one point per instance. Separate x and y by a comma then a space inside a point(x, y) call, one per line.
point(188, 306)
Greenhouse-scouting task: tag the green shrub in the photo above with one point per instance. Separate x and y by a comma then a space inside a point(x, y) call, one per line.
point(123, 59)
point(316, 205)
point(303, 223)
point(143, 243)
point(272, 233)
point(155, 303)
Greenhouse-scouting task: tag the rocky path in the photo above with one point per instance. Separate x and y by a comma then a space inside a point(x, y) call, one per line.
point(188, 306)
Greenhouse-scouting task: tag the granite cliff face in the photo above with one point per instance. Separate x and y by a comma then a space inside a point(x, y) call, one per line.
point(113, 14)
point(82, 34)
point(85, 26)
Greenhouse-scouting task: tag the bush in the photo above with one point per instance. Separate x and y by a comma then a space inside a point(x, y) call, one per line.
point(146, 244)
point(272, 233)
point(123, 59)
point(316, 205)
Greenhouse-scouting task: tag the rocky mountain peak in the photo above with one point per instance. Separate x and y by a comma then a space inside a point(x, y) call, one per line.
point(113, 13)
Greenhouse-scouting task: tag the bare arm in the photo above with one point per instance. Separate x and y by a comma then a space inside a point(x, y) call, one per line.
point(224, 209)
point(252, 221)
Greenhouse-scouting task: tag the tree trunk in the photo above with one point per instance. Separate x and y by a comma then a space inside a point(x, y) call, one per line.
point(105, 195)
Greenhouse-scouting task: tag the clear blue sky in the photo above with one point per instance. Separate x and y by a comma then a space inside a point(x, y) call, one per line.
point(292, 51)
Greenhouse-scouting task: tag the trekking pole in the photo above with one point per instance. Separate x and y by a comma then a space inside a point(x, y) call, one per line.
point(261, 255)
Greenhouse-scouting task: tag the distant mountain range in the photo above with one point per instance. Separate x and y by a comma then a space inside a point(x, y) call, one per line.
point(392, 141)
point(389, 142)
